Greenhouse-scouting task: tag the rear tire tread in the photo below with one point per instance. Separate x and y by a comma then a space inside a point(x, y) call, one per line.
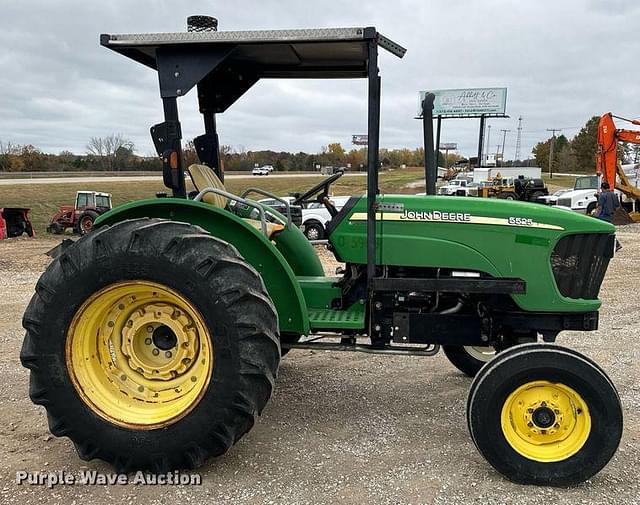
point(258, 343)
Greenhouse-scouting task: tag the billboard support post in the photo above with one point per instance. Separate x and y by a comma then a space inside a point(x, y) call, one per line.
point(481, 141)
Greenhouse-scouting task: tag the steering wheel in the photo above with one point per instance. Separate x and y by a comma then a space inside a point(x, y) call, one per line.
point(322, 197)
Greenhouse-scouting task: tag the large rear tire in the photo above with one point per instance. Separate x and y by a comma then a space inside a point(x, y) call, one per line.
point(543, 414)
point(151, 344)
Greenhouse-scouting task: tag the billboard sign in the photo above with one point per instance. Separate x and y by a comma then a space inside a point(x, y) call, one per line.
point(467, 102)
point(449, 146)
point(360, 140)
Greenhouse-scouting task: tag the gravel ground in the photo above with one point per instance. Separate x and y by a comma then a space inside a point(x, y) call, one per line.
point(341, 427)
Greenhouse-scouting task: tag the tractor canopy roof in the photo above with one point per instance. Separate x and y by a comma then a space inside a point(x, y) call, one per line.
point(225, 65)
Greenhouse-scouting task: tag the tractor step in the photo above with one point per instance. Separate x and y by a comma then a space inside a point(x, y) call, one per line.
point(429, 350)
point(352, 318)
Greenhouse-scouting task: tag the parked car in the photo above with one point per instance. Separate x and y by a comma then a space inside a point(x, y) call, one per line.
point(268, 168)
point(316, 216)
point(260, 171)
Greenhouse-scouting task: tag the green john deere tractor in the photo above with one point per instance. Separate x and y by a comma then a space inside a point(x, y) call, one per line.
point(154, 341)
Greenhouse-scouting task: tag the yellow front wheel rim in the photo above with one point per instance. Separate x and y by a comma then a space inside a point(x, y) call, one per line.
point(545, 421)
point(139, 354)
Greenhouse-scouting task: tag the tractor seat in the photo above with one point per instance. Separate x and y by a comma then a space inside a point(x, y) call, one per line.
point(204, 177)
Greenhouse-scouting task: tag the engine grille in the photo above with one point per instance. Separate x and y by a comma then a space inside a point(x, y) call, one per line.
point(296, 214)
point(565, 202)
point(579, 263)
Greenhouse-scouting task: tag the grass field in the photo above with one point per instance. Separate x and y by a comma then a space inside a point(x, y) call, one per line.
point(44, 199)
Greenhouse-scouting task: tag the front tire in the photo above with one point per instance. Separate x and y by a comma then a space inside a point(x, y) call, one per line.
point(313, 230)
point(546, 415)
point(468, 359)
point(55, 228)
point(152, 344)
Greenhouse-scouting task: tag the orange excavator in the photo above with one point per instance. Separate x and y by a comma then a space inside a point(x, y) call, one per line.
point(607, 165)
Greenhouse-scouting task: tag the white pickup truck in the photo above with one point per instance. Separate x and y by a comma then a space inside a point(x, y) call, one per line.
point(315, 217)
point(452, 187)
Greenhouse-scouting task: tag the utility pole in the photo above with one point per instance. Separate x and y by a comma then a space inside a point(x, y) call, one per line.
point(518, 140)
point(488, 140)
point(553, 143)
point(504, 139)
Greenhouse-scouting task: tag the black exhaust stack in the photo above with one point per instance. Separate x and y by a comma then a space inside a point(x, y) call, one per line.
point(430, 156)
point(202, 24)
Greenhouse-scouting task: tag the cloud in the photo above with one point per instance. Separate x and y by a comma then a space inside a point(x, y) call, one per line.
point(562, 62)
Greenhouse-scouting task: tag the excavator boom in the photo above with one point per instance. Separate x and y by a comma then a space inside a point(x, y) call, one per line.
point(607, 153)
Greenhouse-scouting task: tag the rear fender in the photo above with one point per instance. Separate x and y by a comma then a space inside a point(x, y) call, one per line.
point(254, 247)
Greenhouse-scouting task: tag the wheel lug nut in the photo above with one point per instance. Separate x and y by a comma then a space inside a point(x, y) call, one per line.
point(149, 329)
point(168, 354)
point(556, 411)
point(530, 411)
point(556, 425)
point(543, 404)
point(155, 352)
point(530, 424)
point(147, 341)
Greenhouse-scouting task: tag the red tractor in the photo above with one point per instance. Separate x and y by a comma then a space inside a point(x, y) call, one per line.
point(89, 205)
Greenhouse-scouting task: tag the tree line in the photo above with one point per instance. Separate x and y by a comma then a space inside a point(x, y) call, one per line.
point(579, 153)
point(115, 152)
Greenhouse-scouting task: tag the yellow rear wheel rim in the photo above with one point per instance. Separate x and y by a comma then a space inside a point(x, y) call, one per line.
point(545, 421)
point(139, 354)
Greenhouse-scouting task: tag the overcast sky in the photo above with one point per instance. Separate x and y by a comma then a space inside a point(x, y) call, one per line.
point(562, 61)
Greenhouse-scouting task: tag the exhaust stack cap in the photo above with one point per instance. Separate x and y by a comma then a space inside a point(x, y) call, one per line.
point(202, 24)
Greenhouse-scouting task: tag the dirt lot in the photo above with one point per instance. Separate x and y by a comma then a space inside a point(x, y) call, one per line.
point(342, 427)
